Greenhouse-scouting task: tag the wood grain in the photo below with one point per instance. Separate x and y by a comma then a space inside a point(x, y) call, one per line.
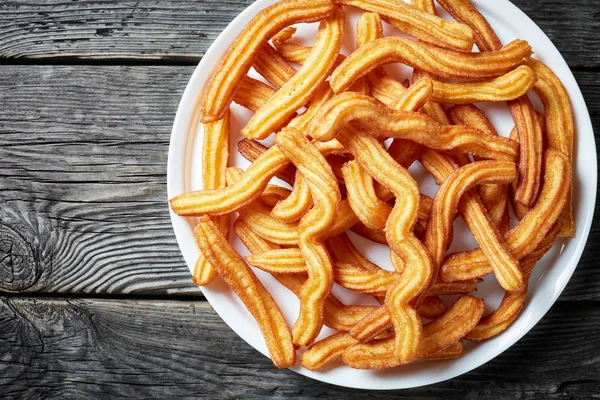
point(149, 349)
point(181, 31)
point(83, 153)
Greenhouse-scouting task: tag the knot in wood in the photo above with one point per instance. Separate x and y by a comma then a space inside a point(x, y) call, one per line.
point(18, 264)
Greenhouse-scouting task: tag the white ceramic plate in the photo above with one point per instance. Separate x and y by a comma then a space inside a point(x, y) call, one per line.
point(547, 282)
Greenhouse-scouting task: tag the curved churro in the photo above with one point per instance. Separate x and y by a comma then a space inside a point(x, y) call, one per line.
point(531, 230)
point(298, 89)
point(417, 23)
point(464, 11)
point(347, 107)
point(417, 269)
point(342, 250)
point(370, 210)
point(560, 128)
point(509, 86)
point(437, 335)
point(493, 197)
point(429, 58)
point(531, 151)
point(215, 153)
point(234, 197)
point(445, 206)
point(326, 196)
point(336, 315)
point(496, 322)
point(252, 293)
point(221, 86)
point(531, 138)
point(296, 205)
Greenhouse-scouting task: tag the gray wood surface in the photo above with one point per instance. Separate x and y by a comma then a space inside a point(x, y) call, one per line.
point(95, 300)
point(181, 31)
point(154, 349)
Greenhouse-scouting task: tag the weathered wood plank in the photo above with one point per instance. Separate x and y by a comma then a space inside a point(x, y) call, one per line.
point(150, 349)
point(83, 153)
point(181, 31)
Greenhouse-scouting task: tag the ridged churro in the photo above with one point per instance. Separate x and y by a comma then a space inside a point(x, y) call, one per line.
point(560, 128)
point(493, 197)
point(437, 335)
point(298, 89)
point(509, 86)
point(446, 203)
point(417, 23)
point(348, 107)
point(531, 230)
point(215, 153)
point(273, 67)
point(417, 269)
point(429, 58)
point(247, 286)
point(232, 68)
point(313, 226)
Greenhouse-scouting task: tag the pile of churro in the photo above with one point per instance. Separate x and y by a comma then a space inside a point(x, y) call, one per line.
point(346, 132)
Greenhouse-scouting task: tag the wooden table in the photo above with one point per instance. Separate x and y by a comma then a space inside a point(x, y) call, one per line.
point(96, 300)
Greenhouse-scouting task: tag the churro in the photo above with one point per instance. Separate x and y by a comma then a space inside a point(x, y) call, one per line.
point(509, 86)
point(298, 89)
point(531, 230)
point(232, 68)
point(437, 335)
point(313, 226)
point(446, 203)
point(215, 153)
point(252, 293)
point(348, 107)
point(417, 23)
point(442, 62)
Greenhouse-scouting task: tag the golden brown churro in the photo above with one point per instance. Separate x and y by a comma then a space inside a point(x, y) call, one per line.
point(347, 107)
point(298, 89)
point(509, 86)
point(256, 298)
point(417, 23)
point(313, 226)
point(445, 205)
point(560, 128)
point(215, 153)
point(437, 335)
point(530, 231)
point(429, 58)
point(221, 86)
